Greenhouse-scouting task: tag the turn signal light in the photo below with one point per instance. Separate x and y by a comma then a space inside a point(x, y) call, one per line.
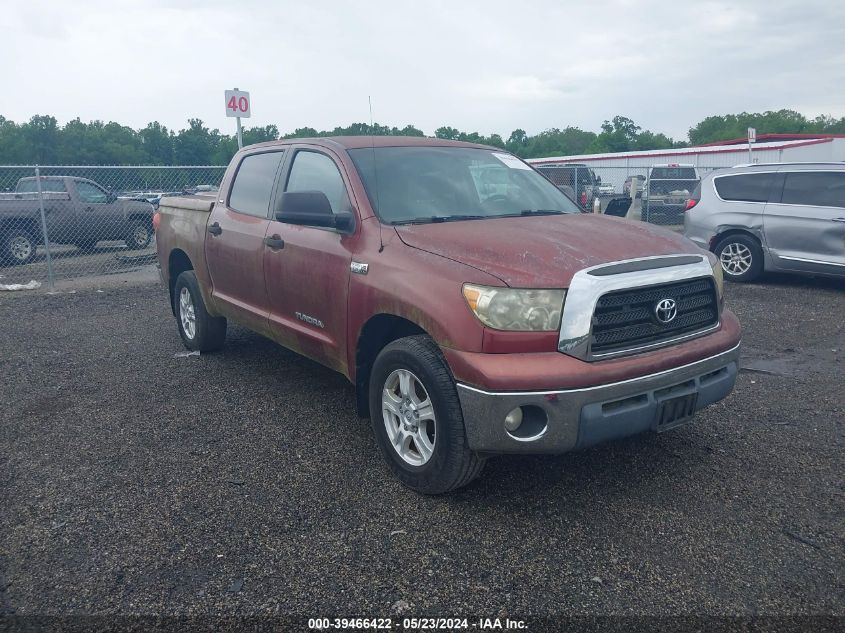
point(156, 221)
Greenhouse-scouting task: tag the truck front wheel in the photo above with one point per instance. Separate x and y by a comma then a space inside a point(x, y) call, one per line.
point(199, 330)
point(417, 419)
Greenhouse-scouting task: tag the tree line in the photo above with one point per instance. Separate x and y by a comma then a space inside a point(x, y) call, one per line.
point(41, 140)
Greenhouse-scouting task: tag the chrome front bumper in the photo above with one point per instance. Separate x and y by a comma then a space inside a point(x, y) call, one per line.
point(577, 418)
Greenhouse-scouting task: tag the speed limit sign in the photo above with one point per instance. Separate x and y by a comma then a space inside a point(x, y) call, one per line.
point(237, 103)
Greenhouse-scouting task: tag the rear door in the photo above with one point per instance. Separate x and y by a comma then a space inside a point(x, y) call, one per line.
point(234, 244)
point(59, 211)
point(804, 225)
point(308, 276)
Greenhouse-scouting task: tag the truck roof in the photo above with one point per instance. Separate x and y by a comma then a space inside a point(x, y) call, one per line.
point(359, 142)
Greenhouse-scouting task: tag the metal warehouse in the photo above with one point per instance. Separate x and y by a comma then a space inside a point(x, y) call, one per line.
point(769, 148)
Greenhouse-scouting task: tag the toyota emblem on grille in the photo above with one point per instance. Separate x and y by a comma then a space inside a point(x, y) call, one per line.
point(666, 310)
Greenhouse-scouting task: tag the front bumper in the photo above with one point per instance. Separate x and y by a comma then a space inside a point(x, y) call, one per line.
point(577, 418)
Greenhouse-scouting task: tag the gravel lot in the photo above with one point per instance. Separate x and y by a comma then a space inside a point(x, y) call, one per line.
point(136, 481)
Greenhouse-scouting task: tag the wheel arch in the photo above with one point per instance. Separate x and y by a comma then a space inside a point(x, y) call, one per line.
point(377, 332)
point(30, 224)
point(729, 231)
point(177, 263)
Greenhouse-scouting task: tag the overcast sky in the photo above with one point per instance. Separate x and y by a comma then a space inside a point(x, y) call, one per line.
point(486, 66)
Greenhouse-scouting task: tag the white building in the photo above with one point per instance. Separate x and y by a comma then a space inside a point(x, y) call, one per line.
point(769, 148)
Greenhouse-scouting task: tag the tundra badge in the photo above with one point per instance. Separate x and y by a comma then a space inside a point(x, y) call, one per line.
point(310, 320)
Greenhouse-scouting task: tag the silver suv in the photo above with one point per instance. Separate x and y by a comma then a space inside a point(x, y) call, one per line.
point(787, 217)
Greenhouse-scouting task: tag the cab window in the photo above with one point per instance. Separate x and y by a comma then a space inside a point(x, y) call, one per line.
point(90, 193)
point(312, 171)
point(253, 184)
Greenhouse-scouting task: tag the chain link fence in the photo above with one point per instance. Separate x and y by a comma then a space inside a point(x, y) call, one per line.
point(78, 221)
point(61, 222)
point(655, 194)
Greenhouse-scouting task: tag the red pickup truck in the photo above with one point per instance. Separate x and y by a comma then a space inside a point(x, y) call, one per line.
point(476, 313)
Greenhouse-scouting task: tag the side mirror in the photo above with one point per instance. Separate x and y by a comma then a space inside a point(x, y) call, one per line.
point(312, 208)
point(111, 196)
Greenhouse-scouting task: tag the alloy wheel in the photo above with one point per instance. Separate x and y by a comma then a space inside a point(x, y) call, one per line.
point(187, 314)
point(408, 417)
point(735, 258)
point(21, 248)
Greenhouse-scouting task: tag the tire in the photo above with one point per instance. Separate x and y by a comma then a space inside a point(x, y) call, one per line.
point(450, 463)
point(19, 247)
point(139, 234)
point(741, 257)
point(199, 331)
point(87, 246)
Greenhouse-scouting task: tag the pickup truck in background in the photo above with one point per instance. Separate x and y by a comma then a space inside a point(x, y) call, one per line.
point(77, 211)
point(581, 178)
point(475, 313)
point(666, 191)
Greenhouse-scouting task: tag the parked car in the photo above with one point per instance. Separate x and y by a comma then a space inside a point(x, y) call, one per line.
point(787, 217)
point(626, 186)
point(666, 191)
point(77, 211)
point(470, 324)
point(580, 177)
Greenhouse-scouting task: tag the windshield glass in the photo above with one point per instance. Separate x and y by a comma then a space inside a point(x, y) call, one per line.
point(673, 173)
point(440, 184)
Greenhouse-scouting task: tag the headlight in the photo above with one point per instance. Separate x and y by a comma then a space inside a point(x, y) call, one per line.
point(718, 276)
point(516, 309)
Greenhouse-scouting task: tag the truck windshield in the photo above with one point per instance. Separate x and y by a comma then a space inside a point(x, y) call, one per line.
point(440, 184)
point(673, 173)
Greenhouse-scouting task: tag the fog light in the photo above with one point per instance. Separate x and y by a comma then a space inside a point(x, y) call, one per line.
point(513, 420)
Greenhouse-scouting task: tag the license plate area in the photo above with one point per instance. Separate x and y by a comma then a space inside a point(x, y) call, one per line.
point(675, 411)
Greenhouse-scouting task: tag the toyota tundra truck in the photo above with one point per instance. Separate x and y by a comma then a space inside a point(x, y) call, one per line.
point(471, 320)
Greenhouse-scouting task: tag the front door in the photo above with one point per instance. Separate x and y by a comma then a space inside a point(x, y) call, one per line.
point(308, 275)
point(805, 229)
point(99, 215)
point(234, 243)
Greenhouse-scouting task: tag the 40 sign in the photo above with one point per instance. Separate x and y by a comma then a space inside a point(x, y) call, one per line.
point(237, 103)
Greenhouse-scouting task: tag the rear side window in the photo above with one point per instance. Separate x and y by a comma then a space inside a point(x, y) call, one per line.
point(51, 185)
point(253, 184)
point(745, 187)
point(818, 189)
point(317, 172)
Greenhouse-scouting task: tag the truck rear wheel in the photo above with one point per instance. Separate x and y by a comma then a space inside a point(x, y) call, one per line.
point(199, 330)
point(417, 419)
point(19, 247)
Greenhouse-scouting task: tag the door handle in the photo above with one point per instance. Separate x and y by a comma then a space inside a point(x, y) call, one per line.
point(89, 208)
point(215, 229)
point(275, 242)
point(838, 220)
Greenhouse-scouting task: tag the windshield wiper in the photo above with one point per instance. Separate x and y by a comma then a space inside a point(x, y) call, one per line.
point(541, 212)
point(433, 219)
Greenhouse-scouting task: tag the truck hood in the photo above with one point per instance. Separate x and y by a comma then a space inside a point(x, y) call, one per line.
point(543, 251)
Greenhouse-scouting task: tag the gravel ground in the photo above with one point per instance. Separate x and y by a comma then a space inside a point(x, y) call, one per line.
point(137, 481)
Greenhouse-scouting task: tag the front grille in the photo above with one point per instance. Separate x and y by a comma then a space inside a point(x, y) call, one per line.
point(627, 319)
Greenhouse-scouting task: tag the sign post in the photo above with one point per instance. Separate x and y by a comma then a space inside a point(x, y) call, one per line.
point(752, 138)
point(238, 105)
